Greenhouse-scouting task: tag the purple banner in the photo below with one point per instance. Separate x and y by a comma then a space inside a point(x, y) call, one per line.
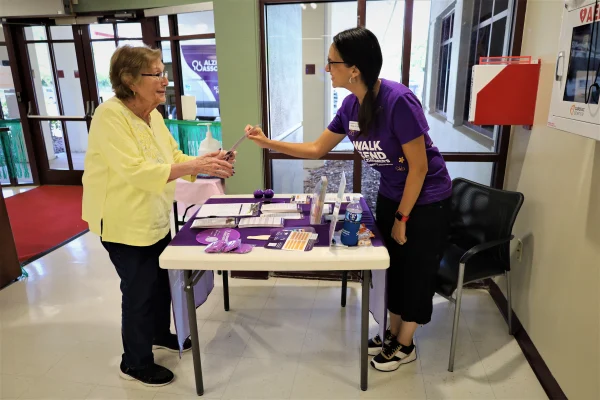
point(202, 60)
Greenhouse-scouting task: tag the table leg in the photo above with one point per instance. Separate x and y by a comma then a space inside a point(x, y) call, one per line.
point(344, 287)
point(364, 331)
point(191, 305)
point(226, 289)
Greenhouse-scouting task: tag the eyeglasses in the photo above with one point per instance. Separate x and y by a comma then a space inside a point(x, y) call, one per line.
point(159, 75)
point(329, 62)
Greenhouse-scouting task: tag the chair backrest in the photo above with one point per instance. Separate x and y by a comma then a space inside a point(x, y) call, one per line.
point(481, 214)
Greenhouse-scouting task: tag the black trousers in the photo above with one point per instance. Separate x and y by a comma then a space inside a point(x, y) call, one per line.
point(413, 268)
point(146, 301)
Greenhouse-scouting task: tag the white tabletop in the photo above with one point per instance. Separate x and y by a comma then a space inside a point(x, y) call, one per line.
point(261, 259)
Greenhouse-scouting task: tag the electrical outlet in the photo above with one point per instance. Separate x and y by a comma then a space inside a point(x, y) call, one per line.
point(519, 250)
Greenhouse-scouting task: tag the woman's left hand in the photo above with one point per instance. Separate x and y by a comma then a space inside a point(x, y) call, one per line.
point(399, 232)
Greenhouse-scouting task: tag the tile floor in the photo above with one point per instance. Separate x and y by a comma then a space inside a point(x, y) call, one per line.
point(282, 339)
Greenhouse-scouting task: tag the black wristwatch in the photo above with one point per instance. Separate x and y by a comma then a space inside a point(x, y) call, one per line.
point(401, 217)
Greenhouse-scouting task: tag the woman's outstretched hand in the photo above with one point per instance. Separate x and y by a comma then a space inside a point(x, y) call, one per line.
point(257, 135)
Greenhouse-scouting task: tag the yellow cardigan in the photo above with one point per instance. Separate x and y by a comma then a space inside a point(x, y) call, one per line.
point(127, 165)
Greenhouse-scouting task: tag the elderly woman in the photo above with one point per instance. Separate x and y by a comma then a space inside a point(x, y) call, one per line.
point(130, 168)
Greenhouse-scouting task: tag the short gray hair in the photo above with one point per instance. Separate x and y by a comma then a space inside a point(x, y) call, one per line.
point(126, 65)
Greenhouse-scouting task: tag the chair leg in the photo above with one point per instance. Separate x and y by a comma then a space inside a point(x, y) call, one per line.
point(509, 295)
point(459, 288)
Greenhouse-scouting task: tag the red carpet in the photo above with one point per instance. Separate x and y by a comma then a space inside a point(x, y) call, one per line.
point(44, 218)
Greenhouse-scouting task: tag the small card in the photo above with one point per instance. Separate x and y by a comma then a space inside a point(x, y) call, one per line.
point(301, 239)
point(203, 223)
point(279, 208)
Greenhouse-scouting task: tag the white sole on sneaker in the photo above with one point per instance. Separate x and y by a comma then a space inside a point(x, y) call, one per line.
point(392, 366)
point(155, 347)
point(373, 351)
point(131, 378)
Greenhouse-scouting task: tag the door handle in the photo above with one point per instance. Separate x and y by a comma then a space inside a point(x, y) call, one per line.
point(52, 117)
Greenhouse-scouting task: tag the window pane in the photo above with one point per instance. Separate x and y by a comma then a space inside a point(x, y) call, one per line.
point(200, 76)
point(486, 10)
point(480, 172)
point(170, 105)
point(43, 79)
point(369, 185)
point(61, 32)
point(196, 23)
point(163, 25)
point(386, 20)
point(102, 53)
point(102, 31)
point(483, 43)
point(77, 133)
point(35, 33)
point(446, 29)
point(418, 50)
point(443, 78)
point(500, 5)
point(134, 43)
point(69, 83)
point(8, 97)
point(301, 176)
point(129, 30)
point(302, 102)
point(498, 35)
point(54, 142)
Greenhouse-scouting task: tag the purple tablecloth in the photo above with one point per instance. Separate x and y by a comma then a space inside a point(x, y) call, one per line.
point(187, 237)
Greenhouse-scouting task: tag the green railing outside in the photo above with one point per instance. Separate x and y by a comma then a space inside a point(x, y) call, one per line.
point(189, 134)
point(13, 152)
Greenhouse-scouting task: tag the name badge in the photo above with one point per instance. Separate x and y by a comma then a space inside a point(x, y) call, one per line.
point(354, 126)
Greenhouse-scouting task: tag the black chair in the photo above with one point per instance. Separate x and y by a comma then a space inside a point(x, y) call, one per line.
point(478, 247)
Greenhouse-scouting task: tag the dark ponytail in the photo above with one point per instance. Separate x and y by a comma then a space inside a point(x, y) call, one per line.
point(359, 47)
point(366, 112)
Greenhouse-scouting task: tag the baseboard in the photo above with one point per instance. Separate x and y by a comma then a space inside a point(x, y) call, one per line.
point(539, 367)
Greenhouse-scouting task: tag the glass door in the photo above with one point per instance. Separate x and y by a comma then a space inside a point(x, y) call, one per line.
point(59, 106)
point(14, 159)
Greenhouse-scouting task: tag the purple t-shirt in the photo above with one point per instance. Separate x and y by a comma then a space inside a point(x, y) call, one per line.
point(399, 120)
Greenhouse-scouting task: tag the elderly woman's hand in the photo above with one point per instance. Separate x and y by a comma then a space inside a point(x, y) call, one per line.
point(214, 164)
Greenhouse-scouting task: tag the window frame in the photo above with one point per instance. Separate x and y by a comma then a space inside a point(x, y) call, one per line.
point(175, 41)
point(443, 88)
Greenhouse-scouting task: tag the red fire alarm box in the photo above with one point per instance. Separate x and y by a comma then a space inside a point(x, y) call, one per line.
point(504, 91)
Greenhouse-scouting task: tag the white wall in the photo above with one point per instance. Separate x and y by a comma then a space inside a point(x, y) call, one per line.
point(556, 287)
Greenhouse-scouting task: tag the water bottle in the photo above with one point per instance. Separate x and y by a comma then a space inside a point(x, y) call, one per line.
point(354, 211)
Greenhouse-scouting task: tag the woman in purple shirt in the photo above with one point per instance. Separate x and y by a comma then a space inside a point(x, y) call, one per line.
point(385, 122)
